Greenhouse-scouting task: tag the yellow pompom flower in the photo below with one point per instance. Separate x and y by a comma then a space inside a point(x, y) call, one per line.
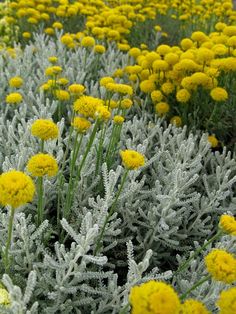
point(191, 306)
point(134, 52)
point(105, 80)
point(120, 88)
point(227, 301)
point(76, 89)
point(42, 164)
point(126, 103)
point(4, 297)
point(67, 39)
point(154, 297)
point(167, 88)
point(118, 119)
point(81, 124)
point(183, 95)
point(88, 41)
point(160, 65)
point(87, 105)
point(54, 70)
point(26, 35)
point(228, 224)
point(213, 141)
point(14, 98)
point(62, 81)
point(147, 86)
point(53, 59)
point(219, 94)
point(221, 265)
point(102, 112)
point(156, 96)
point(16, 81)
point(162, 108)
point(62, 95)
point(99, 49)
point(16, 188)
point(132, 159)
point(176, 120)
point(44, 129)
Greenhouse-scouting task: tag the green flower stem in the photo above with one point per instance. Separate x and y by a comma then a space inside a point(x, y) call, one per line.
point(70, 190)
point(111, 140)
point(42, 146)
point(100, 148)
point(10, 227)
point(198, 251)
point(40, 199)
point(110, 212)
point(195, 286)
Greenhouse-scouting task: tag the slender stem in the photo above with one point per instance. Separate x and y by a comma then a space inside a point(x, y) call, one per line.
point(40, 200)
point(198, 251)
point(42, 146)
point(10, 227)
point(100, 148)
point(110, 212)
point(195, 286)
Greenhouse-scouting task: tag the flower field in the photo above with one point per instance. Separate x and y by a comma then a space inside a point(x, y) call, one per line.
point(117, 157)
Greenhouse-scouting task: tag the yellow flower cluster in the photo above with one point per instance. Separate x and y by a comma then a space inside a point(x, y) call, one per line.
point(42, 164)
point(16, 188)
point(87, 106)
point(221, 265)
point(81, 124)
point(132, 159)
point(44, 129)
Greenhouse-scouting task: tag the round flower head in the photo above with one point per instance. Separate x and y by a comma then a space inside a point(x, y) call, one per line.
point(183, 95)
point(16, 188)
point(105, 80)
point(81, 124)
point(76, 89)
point(228, 224)
point(62, 95)
point(162, 108)
point(156, 96)
point(16, 81)
point(126, 103)
point(102, 112)
point(219, 94)
point(213, 141)
point(53, 70)
point(132, 159)
point(176, 120)
point(42, 164)
point(154, 297)
point(87, 105)
point(4, 297)
point(191, 306)
point(227, 301)
point(221, 265)
point(118, 119)
point(44, 129)
point(14, 98)
point(88, 41)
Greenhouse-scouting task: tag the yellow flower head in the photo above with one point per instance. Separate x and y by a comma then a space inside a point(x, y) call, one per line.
point(213, 141)
point(162, 108)
point(156, 96)
point(76, 89)
point(14, 98)
point(221, 265)
point(105, 80)
point(219, 94)
point(53, 59)
point(147, 86)
point(87, 106)
point(228, 224)
point(154, 297)
point(227, 301)
point(53, 70)
point(102, 112)
point(183, 95)
point(4, 297)
point(88, 41)
point(16, 81)
point(99, 49)
point(126, 103)
point(191, 306)
point(62, 95)
point(132, 159)
point(81, 124)
point(16, 188)
point(120, 88)
point(42, 164)
point(176, 120)
point(44, 129)
point(118, 119)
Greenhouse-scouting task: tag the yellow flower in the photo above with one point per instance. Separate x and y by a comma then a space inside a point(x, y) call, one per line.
point(4, 297)
point(120, 88)
point(147, 86)
point(50, 71)
point(176, 120)
point(99, 49)
point(57, 25)
point(219, 94)
point(16, 188)
point(105, 80)
point(126, 103)
point(183, 95)
point(132, 159)
point(156, 96)
point(53, 59)
point(44, 129)
point(221, 265)
point(88, 41)
point(62, 95)
point(160, 65)
point(213, 141)
point(191, 306)
point(81, 124)
point(87, 105)
point(42, 164)
point(14, 98)
point(162, 108)
point(16, 81)
point(118, 119)
point(62, 81)
point(67, 39)
point(26, 35)
point(228, 224)
point(227, 301)
point(167, 88)
point(134, 52)
point(76, 89)
point(154, 297)
point(102, 112)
